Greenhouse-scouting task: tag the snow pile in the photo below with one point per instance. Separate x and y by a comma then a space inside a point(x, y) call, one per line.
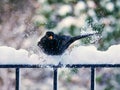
point(10, 55)
point(90, 55)
point(78, 55)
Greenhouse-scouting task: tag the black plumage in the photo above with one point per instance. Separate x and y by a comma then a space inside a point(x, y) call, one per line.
point(53, 44)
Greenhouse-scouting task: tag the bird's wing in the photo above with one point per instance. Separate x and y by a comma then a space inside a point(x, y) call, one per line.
point(62, 43)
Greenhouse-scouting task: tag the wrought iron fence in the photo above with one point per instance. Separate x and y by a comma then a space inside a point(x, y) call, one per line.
point(55, 69)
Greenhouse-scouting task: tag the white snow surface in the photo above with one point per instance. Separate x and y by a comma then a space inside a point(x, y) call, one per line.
point(78, 55)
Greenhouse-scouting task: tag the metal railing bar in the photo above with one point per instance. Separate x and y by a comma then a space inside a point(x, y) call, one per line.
point(17, 78)
point(91, 65)
point(58, 66)
point(92, 78)
point(55, 79)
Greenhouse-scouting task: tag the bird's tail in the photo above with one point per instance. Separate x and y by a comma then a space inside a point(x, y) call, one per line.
point(77, 38)
point(81, 36)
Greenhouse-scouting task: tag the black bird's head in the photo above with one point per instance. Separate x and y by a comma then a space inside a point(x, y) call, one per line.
point(48, 43)
point(49, 35)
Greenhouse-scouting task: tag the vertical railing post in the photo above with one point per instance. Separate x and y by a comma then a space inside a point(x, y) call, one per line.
point(55, 79)
point(17, 78)
point(92, 78)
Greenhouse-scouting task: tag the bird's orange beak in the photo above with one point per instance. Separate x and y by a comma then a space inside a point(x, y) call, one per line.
point(50, 37)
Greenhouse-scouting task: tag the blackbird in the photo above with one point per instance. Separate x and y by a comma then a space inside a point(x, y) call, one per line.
point(53, 44)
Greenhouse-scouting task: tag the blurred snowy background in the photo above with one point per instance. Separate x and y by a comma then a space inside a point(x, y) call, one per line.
point(23, 22)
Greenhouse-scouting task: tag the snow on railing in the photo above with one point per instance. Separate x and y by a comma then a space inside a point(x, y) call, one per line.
point(82, 56)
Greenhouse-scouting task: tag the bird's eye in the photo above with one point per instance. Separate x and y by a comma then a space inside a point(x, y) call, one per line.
point(50, 37)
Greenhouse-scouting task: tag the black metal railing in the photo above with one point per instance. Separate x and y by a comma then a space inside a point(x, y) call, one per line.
point(56, 67)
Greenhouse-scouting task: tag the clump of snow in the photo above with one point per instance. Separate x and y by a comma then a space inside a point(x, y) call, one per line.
point(78, 55)
point(91, 4)
point(67, 22)
point(64, 10)
point(10, 55)
point(90, 55)
point(110, 6)
point(72, 21)
point(118, 3)
point(91, 12)
point(39, 18)
point(80, 6)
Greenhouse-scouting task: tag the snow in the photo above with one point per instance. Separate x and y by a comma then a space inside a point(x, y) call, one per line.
point(78, 55)
point(80, 6)
point(10, 55)
point(39, 18)
point(110, 6)
point(91, 12)
point(71, 21)
point(91, 4)
point(67, 22)
point(64, 10)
